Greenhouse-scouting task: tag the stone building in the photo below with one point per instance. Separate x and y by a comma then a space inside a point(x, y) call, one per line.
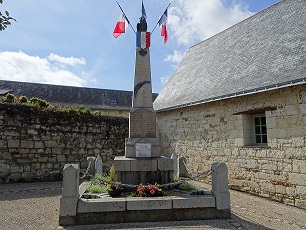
point(240, 97)
point(111, 102)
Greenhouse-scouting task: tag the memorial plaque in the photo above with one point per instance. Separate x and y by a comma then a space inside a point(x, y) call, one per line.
point(149, 125)
point(142, 124)
point(135, 124)
point(143, 149)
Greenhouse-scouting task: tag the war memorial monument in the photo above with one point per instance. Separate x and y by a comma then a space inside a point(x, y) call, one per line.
point(142, 164)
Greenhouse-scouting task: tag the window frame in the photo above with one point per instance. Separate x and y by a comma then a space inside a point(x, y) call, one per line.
point(261, 134)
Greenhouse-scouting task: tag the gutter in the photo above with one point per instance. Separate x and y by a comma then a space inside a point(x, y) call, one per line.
point(300, 81)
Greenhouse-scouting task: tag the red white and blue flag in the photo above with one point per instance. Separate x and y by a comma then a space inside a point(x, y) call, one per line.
point(163, 24)
point(121, 25)
point(143, 39)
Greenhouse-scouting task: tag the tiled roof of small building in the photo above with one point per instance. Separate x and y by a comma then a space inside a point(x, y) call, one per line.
point(69, 96)
point(263, 52)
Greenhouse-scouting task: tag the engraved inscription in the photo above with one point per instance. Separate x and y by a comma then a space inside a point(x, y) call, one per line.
point(149, 124)
point(142, 70)
point(142, 124)
point(135, 124)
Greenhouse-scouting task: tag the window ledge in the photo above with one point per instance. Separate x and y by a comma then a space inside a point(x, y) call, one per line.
point(256, 146)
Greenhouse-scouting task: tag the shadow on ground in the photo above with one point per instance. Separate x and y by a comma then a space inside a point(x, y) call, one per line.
point(234, 223)
point(33, 190)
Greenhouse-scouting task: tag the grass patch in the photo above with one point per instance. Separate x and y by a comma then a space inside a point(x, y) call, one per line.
point(97, 189)
point(187, 187)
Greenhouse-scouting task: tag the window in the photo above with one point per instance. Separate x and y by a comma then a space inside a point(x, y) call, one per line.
point(113, 100)
point(259, 130)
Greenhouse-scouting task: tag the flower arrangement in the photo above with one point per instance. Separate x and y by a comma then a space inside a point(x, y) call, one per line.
point(147, 191)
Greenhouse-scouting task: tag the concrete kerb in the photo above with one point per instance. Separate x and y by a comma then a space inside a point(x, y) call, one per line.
point(76, 210)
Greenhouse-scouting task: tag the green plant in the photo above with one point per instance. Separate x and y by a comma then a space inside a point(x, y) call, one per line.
point(86, 111)
point(99, 179)
point(176, 179)
point(39, 102)
point(9, 98)
point(185, 186)
point(23, 99)
point(97, 189)
point(112, 174)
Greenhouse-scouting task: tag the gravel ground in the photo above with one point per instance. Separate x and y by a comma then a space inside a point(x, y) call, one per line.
point(35, 206)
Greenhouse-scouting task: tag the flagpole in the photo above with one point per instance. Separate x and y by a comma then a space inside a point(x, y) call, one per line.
point(126, 18)
point(159, 19)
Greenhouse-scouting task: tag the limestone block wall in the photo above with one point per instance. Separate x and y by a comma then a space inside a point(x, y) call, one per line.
point(36, 144)
point(219, 131)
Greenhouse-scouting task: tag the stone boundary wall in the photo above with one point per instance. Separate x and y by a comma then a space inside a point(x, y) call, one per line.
point(215, 132)
point(35, 144)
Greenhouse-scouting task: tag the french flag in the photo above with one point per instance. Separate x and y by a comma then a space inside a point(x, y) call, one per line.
point(163, 24)
point(143, 39)
point(121, 25)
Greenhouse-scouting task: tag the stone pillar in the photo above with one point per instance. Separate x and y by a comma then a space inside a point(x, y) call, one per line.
point(182, 170)
point(175, 164)
point(220, 185)
point(70, 194)
point(98, 165)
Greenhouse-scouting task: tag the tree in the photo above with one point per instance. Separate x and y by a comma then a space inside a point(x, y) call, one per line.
point(5, 19)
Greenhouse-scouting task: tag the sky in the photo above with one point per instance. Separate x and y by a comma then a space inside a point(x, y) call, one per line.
point(71, 42)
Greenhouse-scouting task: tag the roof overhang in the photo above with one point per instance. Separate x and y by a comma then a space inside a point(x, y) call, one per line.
point(295, 82)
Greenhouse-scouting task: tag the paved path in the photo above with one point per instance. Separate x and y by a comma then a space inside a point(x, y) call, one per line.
point(35, 206)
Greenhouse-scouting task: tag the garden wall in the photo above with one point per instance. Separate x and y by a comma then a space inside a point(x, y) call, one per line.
point(35, 143)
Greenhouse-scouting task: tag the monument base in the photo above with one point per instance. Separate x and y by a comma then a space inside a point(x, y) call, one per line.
point(144, 170)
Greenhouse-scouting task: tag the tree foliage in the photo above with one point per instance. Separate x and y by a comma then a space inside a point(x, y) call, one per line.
point(5, 19)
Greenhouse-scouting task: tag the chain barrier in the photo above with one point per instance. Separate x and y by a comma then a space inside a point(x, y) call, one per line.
point(204, 174)
point(86, 172)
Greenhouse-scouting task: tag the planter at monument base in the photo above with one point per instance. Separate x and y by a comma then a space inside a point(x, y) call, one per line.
point(137, 209)
point(114, 193)
point(75, 210)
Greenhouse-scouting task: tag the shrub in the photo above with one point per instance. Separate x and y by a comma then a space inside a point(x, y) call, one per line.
point(9, 98)
point(23, 99)
point(71, 110)
point(39, 102)
point(112, 174)
point(86, 111)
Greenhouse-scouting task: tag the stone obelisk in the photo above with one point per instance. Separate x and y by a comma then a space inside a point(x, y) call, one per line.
point(143, 162)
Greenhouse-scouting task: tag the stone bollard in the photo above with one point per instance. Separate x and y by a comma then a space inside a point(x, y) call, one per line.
point(91, 162)
point(175, 165)
point(70, 194)
point(98, 165)
point(220, 185)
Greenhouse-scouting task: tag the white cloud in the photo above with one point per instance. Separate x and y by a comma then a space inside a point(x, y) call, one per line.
point(164, 80)
point(176, 57)
point(195, 20)
point(67, 61)
point(18, 66)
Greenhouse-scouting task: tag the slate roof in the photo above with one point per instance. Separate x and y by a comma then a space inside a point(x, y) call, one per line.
point(69, 96)
point(263, 52)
